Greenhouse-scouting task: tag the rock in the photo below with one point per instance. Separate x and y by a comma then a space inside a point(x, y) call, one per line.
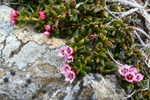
point(34, 57)
point(91, 87)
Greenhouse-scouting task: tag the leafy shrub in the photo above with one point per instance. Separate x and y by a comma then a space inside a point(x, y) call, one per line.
point(98, 38)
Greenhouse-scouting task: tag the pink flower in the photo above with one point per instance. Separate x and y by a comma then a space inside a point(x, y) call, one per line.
point(15, 22)
point(13, 18)
point(43, 17)
point(61, 53)
point(47, 33)
point(42, 13)
point(48, 28)
point(15, 13)
point(69, 58)
point(65, 69)
point(66, 51)
point(130, 76)
point(69, 50)
point(124, 69)
point(138, 77)
point(70, 76)
point(133, 69)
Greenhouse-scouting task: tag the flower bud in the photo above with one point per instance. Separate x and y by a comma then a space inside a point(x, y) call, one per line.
point(15, 13)
point(43, 17)
point(13, 18)
point(47, 33)
point(48, 28)
point(42, 13)
point(15, 22)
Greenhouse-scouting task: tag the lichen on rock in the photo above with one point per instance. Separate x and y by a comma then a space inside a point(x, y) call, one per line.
point(33, 56)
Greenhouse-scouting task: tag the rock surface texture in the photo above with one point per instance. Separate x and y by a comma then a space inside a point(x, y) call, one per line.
point(29, 68)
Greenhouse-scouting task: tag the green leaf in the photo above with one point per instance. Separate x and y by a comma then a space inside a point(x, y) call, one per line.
point(86, 6)
point(82, 58)
point(22, 11)
point(148, 51)
point(86, 68)
point(102, 61)
point(69, 31)
point(129, 88)
point(49, 23)
point(22, 24)
point(74, 17)
point(82, 72)
point(103, 54)
point(56, 23)
point(78, 62)
point(97, 9)
point(117, 21)
point(76, 32)
point(106, 20)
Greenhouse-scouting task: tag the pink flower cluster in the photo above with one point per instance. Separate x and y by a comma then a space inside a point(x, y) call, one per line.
point(14, 17)
point(68, 53)
point(68, 73)
point(130, 74)
point(42, 15)
point(48, 28)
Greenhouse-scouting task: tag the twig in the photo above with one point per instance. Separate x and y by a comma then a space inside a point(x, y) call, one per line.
point(20, 4)
point(115, 17)
point(141, 11)
point(111, 13)
point(81, 3)
point(129, 96)
point(143, 32)
point(125, 2)
point(147, 10)
point(133, 1)
point(129, 12)
point(110, 22)
point(113, 58)
point(137, 22)
point(126, 94)
point(146, 3)
point(141, 41)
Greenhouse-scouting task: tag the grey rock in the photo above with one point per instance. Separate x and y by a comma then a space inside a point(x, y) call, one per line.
point(33, 56)
point(6, 27)
point(10, 48)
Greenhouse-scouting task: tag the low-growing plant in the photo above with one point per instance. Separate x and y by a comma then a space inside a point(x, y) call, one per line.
point(99, 37)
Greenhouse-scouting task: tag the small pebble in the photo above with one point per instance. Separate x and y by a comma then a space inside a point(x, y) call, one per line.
point(6, 80)
point(12, 72)
point(44, 91)
point(29, 81)
point(26, 85)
